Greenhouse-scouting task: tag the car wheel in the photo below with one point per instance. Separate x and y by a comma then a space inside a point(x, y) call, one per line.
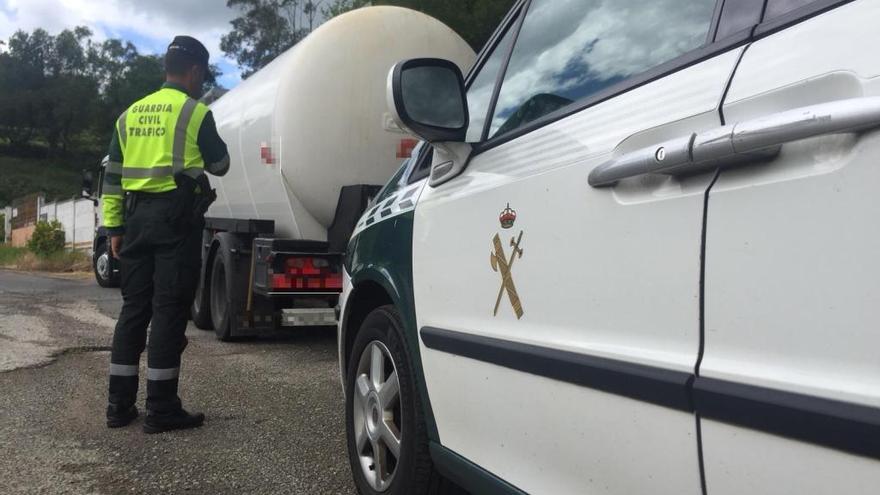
point(385, 426)
point(201, 307)
point(102, 263)
point(219, 298)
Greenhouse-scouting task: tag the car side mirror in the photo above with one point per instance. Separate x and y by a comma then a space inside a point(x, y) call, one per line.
point(88, 184)
point(427, 98)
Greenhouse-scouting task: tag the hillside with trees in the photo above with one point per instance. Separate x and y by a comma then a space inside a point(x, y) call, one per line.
point(61, 93)
point(59, 97)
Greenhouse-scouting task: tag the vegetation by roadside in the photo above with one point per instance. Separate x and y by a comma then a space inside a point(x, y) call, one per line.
point(59, 262)
point(9, 255)
point(45, 253)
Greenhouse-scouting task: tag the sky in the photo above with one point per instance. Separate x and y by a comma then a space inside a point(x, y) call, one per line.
point(149, 24)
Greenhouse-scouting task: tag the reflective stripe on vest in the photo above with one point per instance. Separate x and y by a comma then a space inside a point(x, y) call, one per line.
point(160, 133)
point(120, 125)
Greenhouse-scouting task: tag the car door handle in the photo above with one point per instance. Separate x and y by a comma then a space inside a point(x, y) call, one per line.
point(744, 142)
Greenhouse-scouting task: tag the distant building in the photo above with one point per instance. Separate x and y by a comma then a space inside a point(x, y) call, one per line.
point(77, 217)
point(7, 224)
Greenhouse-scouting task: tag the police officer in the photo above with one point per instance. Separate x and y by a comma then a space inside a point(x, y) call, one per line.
point(154, 197)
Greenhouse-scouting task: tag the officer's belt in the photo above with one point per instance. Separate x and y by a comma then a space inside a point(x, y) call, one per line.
point(147, 196)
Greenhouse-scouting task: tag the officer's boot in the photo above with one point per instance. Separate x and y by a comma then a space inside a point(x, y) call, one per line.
point(121, 410)
point(164, 409)
point(174, 420)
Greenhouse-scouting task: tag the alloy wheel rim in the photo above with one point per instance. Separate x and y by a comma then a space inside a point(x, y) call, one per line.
point(103, 266)
point(377, 416)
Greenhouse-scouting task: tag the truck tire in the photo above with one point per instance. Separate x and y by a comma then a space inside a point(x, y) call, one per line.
point(201, 307)
point(411, 472)
point(103, 266)
point(220, 298)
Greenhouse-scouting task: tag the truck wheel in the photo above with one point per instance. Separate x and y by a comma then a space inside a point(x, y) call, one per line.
point(220, 294)
point(201, 308)
point(102, 263)
point(385, 426)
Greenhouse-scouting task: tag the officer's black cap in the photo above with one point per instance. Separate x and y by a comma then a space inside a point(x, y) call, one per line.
point(192, 47)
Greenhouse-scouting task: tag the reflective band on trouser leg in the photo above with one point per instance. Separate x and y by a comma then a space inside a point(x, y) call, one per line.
point(178, 152)
point(162, 373)
point(123, 385)
point(123, 369)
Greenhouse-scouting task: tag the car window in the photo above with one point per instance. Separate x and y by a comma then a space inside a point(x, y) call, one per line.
point(776, 8)
point(736, 16)
point(483, 85)
point(568, 50)
point(394, 184)
point(423, 167)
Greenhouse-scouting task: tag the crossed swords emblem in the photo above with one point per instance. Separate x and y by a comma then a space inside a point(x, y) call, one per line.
point(501, 263)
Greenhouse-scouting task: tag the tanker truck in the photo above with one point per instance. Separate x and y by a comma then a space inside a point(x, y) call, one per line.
point(311, 143)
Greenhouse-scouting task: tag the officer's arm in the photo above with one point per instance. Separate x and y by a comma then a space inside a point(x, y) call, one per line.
point(111, 190)
point(213, 148)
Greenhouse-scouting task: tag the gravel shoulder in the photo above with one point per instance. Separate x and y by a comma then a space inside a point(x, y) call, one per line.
point(274, 405)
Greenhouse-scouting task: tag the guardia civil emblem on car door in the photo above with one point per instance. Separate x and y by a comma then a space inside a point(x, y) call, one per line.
point(503, 264)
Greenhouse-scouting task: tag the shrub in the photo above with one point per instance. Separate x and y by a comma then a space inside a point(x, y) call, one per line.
point(48, 238)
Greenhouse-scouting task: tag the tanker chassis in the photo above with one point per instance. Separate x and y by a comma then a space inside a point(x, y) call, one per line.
point(309, 138)
point(252, 282)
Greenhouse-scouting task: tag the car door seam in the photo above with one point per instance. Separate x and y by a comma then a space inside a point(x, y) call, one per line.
point(729, 83)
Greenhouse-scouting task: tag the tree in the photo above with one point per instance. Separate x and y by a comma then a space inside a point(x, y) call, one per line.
point(474, 20)
point(265, 29)
point(22, 78)
point(67, 90)
point(338, 7)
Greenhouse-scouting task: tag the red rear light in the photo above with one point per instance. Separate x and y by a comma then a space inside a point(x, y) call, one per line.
point(309, 273)
point(405, 147)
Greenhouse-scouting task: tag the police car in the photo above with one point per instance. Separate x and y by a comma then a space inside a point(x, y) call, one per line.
point(639, 252)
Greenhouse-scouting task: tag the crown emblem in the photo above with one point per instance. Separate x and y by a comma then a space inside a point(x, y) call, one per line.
point(507, 217)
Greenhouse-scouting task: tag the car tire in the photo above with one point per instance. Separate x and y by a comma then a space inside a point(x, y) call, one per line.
point(412, 471)
point(219, 298)
point(102, 264)
point(201, 306)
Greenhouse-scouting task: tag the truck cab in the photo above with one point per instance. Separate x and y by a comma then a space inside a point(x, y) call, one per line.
point(104, 266)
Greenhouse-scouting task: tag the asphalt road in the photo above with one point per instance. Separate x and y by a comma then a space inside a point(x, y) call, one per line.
point(274, 406)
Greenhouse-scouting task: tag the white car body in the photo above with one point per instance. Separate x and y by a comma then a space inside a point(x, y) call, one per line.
point(709, 332)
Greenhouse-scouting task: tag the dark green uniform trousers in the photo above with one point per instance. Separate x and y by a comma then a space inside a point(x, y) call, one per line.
point(159, 264)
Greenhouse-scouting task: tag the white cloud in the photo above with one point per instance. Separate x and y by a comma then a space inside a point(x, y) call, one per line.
point(152, 23)
point(571, 47)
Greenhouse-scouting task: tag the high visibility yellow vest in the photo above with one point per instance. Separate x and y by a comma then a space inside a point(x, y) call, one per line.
point(158, 136)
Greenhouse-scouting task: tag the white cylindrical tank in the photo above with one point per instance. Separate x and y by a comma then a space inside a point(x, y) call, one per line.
point(315, 119)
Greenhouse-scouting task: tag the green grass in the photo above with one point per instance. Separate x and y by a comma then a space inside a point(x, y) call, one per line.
point(10, 256)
